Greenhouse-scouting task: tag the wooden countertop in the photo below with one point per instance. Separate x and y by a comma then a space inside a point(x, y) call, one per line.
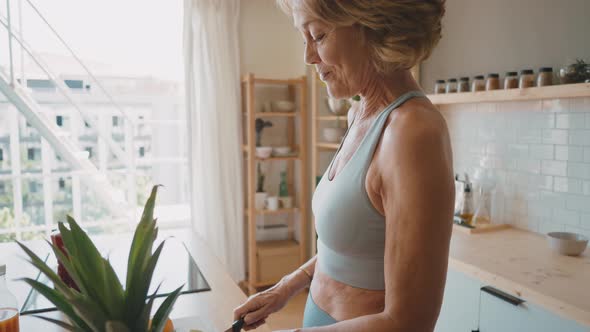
point(521, 263)
point(214, 307)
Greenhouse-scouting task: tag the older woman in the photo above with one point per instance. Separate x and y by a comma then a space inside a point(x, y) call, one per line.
point(384, 207)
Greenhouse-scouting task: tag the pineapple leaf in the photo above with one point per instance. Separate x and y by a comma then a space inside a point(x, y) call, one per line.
point(46, 270)
point(89, 310)
point(138, 291)
point(59, 301)
point(65, 261)
point(147, 310)
point(90, 265)
point(159, 320)
point(63, 325)
point(116, 326)
point(114, 295)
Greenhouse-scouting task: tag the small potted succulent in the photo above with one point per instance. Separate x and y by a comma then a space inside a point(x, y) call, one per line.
point(102, 304)
point(261, 195)
point(262, 151)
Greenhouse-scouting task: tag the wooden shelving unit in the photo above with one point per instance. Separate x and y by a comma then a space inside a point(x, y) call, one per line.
point(268, 261)
point(544, 92)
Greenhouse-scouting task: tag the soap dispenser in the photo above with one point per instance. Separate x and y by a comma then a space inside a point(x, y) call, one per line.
point(465, 208)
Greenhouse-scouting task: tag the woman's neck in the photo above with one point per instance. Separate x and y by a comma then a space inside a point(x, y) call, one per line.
point(382, 90)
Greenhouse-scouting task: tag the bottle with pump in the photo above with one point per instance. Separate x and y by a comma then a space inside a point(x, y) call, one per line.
point(9, 316)
point(466, 204)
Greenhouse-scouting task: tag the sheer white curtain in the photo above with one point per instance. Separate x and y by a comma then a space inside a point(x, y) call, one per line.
point(213, 104)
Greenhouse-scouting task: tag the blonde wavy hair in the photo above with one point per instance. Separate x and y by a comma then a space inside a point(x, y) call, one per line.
point(400, 33)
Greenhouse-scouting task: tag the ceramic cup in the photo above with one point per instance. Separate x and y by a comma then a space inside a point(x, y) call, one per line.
point(272, 203)
point(286, 202)
point(260, 200)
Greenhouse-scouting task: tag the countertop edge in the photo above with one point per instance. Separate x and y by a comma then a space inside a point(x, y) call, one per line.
point(552, 304)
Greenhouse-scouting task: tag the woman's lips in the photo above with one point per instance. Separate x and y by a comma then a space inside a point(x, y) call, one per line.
point(324, 76)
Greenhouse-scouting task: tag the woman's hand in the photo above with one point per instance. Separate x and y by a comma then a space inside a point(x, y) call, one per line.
point(259, 306)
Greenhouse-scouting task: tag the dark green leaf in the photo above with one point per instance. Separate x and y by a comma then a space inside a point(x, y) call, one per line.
point(58, 300)
point(63, 325)
point(159, 320)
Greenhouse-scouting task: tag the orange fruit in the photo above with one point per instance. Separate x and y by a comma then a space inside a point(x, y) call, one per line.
point(168, 327)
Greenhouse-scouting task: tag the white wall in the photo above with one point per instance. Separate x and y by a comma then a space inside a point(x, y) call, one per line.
point(482, 36)
point(269, 44)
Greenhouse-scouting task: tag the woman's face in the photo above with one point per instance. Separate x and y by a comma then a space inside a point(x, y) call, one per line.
point(340, 55)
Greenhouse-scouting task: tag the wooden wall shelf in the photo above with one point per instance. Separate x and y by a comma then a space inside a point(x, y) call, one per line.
point(327, 146)
point(545, 92)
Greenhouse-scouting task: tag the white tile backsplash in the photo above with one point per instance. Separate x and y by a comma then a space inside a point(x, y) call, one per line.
point(538, 150)
point(569, 153)
point(555, 136)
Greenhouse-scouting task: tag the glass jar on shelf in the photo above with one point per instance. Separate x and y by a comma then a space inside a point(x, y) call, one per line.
point(440, 87)
point(545, 76)
point(493, 82)
point(451, 85)
point(463, 84)
point(9, 316)
point(511, 80)
point(478, 83)
point(527, 79)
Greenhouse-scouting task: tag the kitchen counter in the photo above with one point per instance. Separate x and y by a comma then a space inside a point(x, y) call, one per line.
point(521, 263)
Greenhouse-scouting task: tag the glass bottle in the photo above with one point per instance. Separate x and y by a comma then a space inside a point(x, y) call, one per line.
point(451, 85)
point(9, 316)
point(545, 76)
point(511, 80)
point(527, 79)
point(493, 82)
point(439, 87)
point(463, 84)
point(478, 83)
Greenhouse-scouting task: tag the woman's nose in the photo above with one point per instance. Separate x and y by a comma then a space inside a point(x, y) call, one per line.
point(311, 56)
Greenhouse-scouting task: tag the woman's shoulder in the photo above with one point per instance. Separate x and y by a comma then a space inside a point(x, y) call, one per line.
point(416, 122)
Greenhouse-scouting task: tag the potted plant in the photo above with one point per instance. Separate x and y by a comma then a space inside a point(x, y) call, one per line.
point(102, 304)
point(260, 196)
point(284, 197)
point(262, 151)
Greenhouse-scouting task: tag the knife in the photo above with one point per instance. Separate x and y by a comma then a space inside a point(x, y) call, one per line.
point(236, 326)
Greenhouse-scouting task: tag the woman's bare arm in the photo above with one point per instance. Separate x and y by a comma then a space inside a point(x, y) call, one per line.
point(417, 194)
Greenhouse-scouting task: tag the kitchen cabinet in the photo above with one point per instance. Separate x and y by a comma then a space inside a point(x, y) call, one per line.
point(460, 308)
point(501, 313)
point(469, 305)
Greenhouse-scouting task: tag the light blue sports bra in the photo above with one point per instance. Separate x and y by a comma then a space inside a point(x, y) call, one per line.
point(351, 232)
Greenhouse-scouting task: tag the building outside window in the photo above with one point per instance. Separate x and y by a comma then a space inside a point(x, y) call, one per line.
point(59, 120)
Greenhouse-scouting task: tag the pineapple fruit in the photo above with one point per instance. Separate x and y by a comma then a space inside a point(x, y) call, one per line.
point(102, 304)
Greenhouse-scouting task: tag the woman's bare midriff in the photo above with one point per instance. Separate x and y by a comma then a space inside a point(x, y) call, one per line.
point(342, 301)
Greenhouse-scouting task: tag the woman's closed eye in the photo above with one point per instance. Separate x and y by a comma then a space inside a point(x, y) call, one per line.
point(319, 38)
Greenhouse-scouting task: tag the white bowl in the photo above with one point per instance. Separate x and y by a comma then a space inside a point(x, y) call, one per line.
point(338, 106)
point(263, 152)
point(333, 135)
point(281, 150)
point(565, 243)
point(283, 106)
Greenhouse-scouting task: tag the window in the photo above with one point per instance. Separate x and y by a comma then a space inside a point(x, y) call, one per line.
point(62, 184)
point(59, 120)
point(141, 151)
point(89, 150)
point(74, 84)
point(32, 154)
point(1, 154)
point(33, 186)
point(2, 188)
point(86, 124)
point(115, 121)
